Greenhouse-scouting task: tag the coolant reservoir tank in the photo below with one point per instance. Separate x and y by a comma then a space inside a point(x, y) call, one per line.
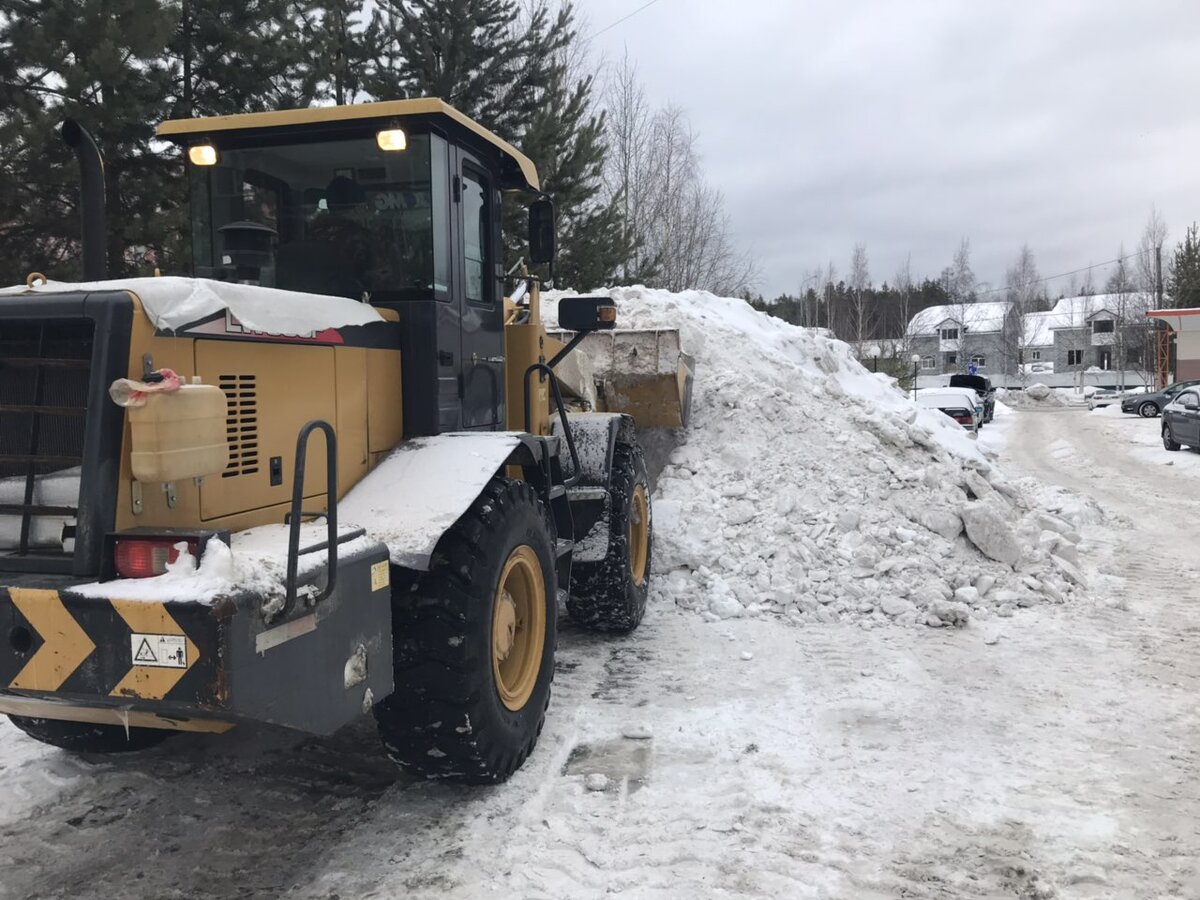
point(179, 435)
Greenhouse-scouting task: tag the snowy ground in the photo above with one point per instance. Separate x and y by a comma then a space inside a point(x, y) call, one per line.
point(746, 758)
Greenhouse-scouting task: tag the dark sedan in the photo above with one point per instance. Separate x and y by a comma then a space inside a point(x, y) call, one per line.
point(1150, 405)
point(1181, 420)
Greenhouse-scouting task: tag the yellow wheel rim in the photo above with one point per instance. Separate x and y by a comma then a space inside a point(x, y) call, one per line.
point(639, 535)
point(518, 627)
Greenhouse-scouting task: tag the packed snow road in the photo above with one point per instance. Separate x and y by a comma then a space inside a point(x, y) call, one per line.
point(1050, 754)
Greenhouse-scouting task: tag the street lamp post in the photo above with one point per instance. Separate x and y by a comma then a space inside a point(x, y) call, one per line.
point(916, 361)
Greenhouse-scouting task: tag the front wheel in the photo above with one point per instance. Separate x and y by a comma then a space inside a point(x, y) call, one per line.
point(1168, 441)
point(1148, 410)
point(473, 643)
point(88, 737)
point(610, 595)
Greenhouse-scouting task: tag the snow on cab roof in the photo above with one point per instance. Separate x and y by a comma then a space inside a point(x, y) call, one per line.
point(978, 318)
point(172, 303)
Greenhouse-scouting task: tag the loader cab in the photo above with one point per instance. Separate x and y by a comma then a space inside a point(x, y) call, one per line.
point(397, 204)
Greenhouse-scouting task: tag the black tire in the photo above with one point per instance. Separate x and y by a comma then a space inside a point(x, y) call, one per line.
point(1148, 410)
point(86, 737)
point(446, 717)
point(606, 595)
point(1168, 439)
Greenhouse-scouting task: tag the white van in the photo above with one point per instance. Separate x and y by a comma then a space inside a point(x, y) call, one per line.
point(961, 404)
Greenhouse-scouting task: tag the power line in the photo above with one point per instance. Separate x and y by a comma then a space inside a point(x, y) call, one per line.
point(1065, 274)
point(624, 18)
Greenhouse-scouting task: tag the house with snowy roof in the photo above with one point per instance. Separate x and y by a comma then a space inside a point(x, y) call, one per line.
point(951, 338)
point(1077, 333)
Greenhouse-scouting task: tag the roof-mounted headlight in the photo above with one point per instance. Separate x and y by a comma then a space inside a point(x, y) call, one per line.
point(391, 139)
point(202, 154)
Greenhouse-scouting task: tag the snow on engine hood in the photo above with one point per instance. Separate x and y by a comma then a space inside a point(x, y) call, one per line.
point(172, 303)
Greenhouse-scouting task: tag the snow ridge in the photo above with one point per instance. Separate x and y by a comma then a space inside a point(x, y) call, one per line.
point(812, 490)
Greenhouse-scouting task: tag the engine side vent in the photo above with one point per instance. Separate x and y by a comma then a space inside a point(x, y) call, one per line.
point(241, 423)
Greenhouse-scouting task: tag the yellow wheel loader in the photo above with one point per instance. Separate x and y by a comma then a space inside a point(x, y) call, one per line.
point(334, 472)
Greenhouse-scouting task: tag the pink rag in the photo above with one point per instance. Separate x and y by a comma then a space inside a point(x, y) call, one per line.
point(127, 392)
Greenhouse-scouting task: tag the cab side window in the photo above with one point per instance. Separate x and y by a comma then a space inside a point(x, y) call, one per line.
point(477, 216)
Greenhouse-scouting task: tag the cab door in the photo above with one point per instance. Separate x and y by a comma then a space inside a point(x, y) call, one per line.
point(479, 285)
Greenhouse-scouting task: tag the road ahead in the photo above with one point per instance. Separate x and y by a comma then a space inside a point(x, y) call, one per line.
point(746, 758)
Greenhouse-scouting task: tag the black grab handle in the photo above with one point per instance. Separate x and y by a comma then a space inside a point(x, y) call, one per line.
point(576, 468)
point(331, 494)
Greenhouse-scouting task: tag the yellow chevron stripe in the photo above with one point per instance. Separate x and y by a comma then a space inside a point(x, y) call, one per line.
point(151, 682)
point(65, 646)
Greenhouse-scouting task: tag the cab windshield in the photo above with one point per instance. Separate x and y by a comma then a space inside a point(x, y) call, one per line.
point(343, 218)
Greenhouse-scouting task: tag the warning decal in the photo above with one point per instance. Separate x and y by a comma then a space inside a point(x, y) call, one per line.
point(167, 651)
point(379, 576)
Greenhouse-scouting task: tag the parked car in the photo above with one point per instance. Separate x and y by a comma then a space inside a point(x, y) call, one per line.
point(1181, 420)
point(961, 404)
point(1103, 397)
point(1150, 405)
point(983, 388)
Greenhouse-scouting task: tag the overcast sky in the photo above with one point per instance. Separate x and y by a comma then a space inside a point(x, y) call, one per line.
point(908, 124)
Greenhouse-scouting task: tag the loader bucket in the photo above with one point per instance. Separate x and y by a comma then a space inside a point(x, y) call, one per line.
point(644, 374)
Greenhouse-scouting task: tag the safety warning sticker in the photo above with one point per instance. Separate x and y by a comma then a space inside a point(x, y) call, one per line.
point(167, 651)
point(379, 576)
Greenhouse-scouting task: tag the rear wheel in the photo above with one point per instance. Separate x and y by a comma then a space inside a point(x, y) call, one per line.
point(86, 737)
point(610, 595)
point(473, 643)
point(1168, 441)
point(1148, 410)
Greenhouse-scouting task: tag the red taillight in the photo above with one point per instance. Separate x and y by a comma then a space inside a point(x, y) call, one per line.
point(146, 557)
point(964, 420)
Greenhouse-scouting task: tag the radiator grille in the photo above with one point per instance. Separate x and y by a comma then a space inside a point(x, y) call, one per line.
point(45, 372)
point(241, 423)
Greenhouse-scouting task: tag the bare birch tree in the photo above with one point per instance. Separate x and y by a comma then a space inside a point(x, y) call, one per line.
point(958, 281)
point(1022, 282)
point(683, 237)
point(1122, 290)
point(860, 283)
point(627, 174)
point(904, 292)
point(1139, 330)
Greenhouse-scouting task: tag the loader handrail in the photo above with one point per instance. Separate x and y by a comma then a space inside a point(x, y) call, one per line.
point(331, 496)
point(576, 468)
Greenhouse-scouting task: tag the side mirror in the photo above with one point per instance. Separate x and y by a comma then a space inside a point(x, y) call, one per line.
point(582, 314)
point(541, 232)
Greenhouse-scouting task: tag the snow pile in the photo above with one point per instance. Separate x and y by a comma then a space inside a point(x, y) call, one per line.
point(811, 489)
point(1036, 396)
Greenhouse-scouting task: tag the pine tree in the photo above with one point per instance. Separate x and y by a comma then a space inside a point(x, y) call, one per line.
point(1183, 273)
point(105, 63)
point(566, 140)
point(470, 53)
point(236, 56)
point(334, 47)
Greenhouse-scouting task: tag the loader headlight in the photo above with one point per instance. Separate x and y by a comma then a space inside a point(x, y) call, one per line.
point(202, 154)
point(391, 139)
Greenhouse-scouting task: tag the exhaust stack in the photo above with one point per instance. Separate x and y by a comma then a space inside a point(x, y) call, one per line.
point(93, 227)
